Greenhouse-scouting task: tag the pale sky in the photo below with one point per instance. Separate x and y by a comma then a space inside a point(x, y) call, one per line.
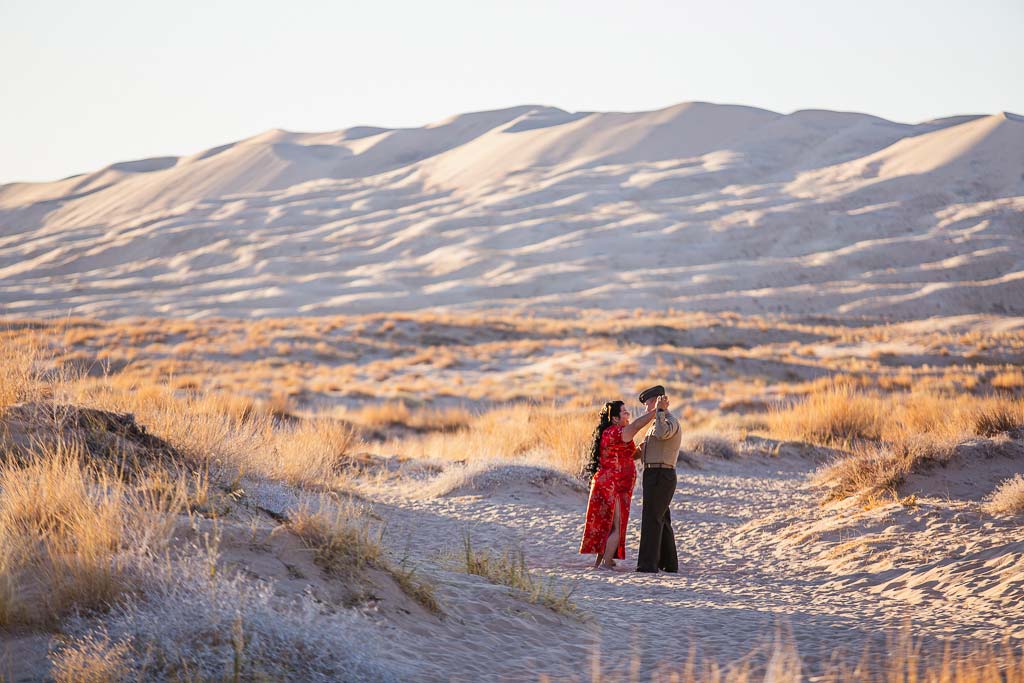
point(86, 84)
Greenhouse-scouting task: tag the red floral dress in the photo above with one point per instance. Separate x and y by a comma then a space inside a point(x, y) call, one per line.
point(612, 485)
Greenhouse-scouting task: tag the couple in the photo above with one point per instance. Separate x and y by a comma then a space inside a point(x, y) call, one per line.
point(611, 463)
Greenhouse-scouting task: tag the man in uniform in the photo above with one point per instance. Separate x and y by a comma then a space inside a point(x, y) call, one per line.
point(659, 450)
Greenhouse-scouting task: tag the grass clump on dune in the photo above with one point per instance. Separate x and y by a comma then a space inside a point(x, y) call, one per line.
point(71, 536)
point(342, 542)
point(510, 569)
point(887, 437)
point(339, 536)
point(1008, 498)
point(197, 622)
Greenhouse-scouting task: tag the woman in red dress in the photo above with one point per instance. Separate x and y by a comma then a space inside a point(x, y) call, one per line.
point(611, 463)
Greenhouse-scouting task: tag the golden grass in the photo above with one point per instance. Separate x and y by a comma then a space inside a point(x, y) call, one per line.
point(284, 366)
point(557, 438)
point(838, 415)
point(385, 414)
point(18, 371)
point(904, 661)
point(308, 452)
point(339, 536)
point(1012, 380)
point(841, 415)
point(510, 569)
point(211, 433)
point(68, 534)
point(93, 660)
point(890, 436)
point(875, 469)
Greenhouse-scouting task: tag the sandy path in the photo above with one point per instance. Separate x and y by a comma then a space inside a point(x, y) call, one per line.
point(728, 598)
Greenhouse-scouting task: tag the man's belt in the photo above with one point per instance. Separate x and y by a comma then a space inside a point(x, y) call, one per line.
point(658, 466)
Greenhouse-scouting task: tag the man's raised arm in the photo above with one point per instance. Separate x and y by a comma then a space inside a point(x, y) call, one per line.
point(665, 423)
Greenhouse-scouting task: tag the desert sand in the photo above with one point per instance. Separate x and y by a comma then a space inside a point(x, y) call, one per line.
point(697, 207)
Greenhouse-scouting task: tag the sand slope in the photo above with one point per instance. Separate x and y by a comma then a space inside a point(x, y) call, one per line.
point(696, 206)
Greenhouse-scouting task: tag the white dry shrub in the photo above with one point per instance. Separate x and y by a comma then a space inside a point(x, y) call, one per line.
point(710, 444)
point(197, 622)
point(1008, 498)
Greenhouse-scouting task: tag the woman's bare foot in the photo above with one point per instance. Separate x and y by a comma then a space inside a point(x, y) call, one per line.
point(608, 564)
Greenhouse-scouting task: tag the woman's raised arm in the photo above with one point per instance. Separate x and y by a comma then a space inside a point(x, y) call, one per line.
point(634, 427)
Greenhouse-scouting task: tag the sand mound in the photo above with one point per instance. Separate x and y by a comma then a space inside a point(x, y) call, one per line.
point(972, 472)
point(504, 479)
point(990, 576)
point(111, 440)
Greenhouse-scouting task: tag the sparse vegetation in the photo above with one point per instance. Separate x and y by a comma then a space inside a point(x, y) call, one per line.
point(904, 661)
point(196, 622)
point(874, 469)
point(710, 444)
point(885, 438)
point(510, 569)
point(529, 431)
point(343, 542)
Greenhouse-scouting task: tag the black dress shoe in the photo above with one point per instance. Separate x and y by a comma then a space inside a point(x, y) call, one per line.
point(647, 571)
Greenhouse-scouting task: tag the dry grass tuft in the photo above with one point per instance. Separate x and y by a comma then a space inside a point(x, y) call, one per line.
point(339, 536)
point(1008, 498)
point(841, 416)
point(711, 445)
point(211, 434)
point(198, 621)
point(93, 659)
point(69, 535)
point(416, 588)
point(312, 451)
point(872, 470)
point(19, 380)
point(836, 416)
point(510, 570)
point(996, 416)
point(889, 437)
point(386, 414)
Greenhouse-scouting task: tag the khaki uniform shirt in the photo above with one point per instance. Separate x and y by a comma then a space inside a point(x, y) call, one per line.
point(661, 443)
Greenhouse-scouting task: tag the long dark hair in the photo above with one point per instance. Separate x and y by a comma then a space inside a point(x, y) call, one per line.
point(611, 410)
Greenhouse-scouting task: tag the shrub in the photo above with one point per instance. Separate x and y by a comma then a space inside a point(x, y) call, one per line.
point(195, 622)
point(712, 445)
point(338, 535)
point(550, 436)
point(876, 468)
point(1008, 498)
point(18, 372)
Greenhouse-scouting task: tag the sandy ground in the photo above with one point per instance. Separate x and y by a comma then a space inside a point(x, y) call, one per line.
point(739, 580)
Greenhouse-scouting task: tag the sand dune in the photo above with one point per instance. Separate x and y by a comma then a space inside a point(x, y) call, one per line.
point(697, 206)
